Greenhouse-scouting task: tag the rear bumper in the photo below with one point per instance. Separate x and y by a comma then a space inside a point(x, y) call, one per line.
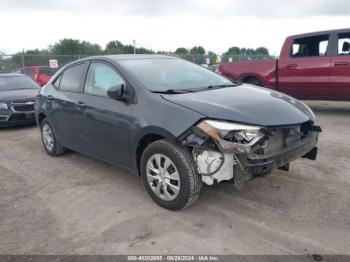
point(258, 165)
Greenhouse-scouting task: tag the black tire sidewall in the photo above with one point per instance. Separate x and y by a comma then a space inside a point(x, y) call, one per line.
point(52, 152)
point(185, 188)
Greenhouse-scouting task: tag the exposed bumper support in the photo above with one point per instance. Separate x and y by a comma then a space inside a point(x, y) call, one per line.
point(258, 165)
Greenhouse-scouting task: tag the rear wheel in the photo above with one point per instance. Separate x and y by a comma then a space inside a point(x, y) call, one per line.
point(50, 143)
point(169, 175)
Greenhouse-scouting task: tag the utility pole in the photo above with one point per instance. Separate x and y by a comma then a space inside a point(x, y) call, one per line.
point(23, 58)
point(134, 46)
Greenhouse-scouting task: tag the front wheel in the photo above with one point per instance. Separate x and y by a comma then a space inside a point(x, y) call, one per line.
point(169, 175)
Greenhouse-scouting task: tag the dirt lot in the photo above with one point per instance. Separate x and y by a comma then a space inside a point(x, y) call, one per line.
point(77, 205)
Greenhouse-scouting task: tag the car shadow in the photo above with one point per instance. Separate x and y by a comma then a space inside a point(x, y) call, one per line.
point(17, 127)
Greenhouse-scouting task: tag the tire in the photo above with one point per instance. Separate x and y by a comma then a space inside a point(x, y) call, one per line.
point(52, 147)
point(253, 81)
point(188, 181)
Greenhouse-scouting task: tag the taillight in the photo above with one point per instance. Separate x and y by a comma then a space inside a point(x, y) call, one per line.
point(36, 76)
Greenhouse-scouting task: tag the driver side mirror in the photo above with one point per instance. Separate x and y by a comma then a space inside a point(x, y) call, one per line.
point(117, 92)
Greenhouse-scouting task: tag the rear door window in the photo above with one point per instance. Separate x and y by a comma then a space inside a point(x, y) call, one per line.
point(314, 46)
point(344, 44)
point(71, 78)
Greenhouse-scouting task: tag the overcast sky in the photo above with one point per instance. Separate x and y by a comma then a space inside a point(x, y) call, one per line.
point(166, 24)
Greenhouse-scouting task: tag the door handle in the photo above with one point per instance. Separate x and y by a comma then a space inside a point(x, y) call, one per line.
point(81, 105)
point(341, 63)
point(292, 65)
point(50, 97)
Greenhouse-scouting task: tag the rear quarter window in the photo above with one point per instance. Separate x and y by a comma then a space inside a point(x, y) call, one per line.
point(46, 71)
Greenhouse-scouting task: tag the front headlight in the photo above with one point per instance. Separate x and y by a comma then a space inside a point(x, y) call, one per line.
point(232, 135)
point(3, 106)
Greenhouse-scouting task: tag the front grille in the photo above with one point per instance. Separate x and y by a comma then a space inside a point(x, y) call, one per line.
point(23, 106)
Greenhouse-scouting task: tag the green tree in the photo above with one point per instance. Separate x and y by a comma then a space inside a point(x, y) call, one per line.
point(262, 51)
point(212, 57)
point(181, 51)
point(234, 50)
point(142, 50)
point(198, 54)
point(75, 47)
point(116, 47)
point(197, 50)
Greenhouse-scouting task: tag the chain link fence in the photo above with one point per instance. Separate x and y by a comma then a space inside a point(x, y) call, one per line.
point(9, 63)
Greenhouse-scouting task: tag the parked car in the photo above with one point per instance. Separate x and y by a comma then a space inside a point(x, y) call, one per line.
point(174, 123)
point(313, 66)
point(40, 74)
point(17, 94)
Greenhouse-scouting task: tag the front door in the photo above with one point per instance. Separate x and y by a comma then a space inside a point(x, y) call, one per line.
point(106, 121)
point(340, 75)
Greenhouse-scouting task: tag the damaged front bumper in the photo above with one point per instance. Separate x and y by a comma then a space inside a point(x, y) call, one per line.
point(260, 164)
point(218, 159)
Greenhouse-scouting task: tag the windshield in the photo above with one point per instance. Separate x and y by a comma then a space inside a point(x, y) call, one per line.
point(8, 83)
point(162, 75)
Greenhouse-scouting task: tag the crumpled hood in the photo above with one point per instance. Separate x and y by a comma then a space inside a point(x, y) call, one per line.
point(247, 104)
point(20, 94)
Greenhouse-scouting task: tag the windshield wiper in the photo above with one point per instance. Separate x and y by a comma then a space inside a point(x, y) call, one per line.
point(182, 91)
point(222, 86)
point(172, 91)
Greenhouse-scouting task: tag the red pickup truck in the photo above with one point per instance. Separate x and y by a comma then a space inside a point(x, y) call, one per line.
point(40, 74)
point(313, 66)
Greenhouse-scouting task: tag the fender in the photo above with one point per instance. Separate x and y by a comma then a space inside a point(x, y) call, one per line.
point(135, 141)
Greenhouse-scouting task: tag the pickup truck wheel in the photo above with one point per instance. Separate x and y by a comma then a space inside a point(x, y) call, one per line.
point(252, 80)
point(169, 175)
point(50, 143)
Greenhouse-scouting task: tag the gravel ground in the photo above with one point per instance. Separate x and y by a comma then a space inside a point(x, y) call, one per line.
point(77, 205)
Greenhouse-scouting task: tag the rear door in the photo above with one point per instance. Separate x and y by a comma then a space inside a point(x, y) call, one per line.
point(66, 112)
point(340, 75)
point(306, 72)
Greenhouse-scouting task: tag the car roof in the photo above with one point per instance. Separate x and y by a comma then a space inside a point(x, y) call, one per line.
point(12, 75)
point(129, 57)
point(321, 32)
point(116, 58)
point(136, 56)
